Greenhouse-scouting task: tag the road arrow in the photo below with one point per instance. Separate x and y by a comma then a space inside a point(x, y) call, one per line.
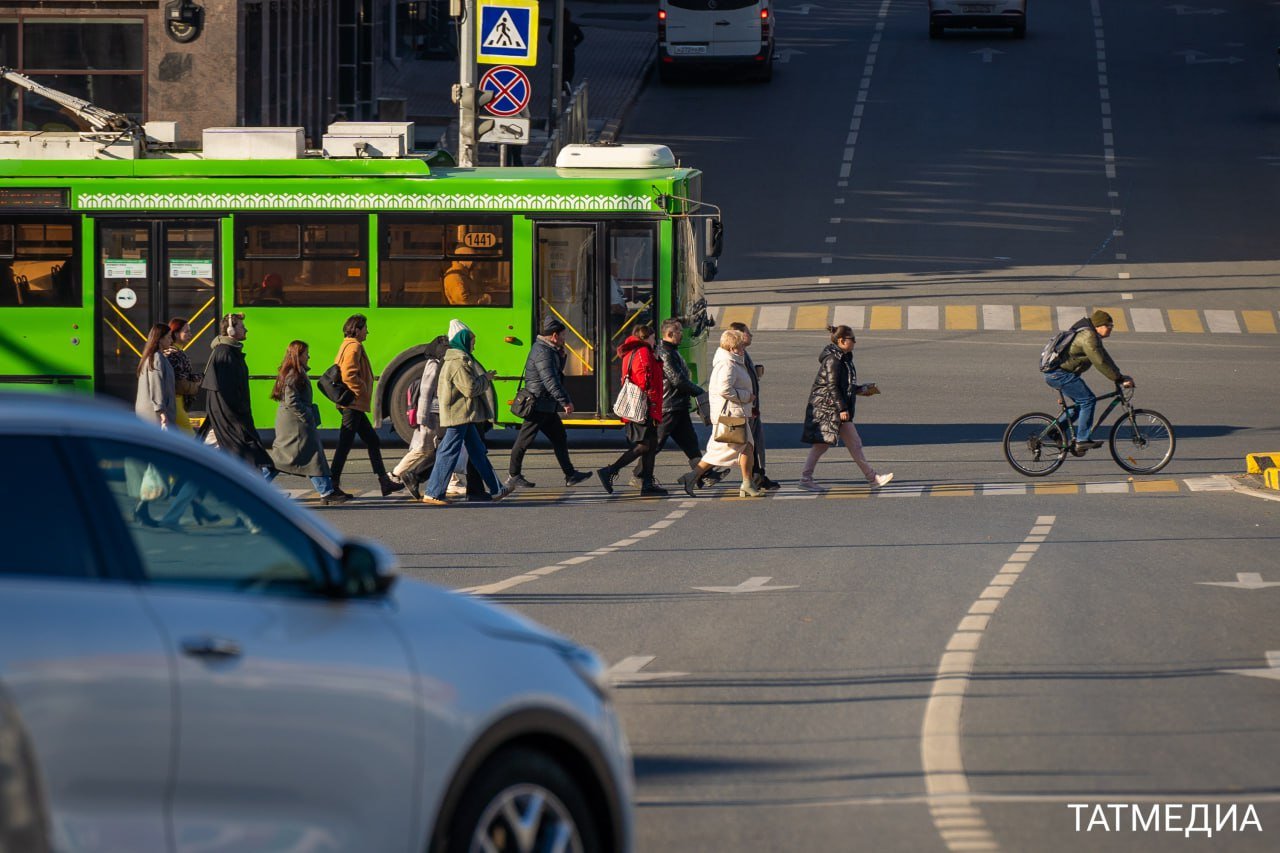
point(784, 55)
point(1244, 580)
point(627, 671)
point(1187, 10)
point(748, 585)
point(987, 53)
point(1272, 669)
point(1193, 58)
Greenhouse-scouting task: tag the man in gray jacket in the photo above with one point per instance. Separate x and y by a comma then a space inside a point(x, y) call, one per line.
point(544, 381)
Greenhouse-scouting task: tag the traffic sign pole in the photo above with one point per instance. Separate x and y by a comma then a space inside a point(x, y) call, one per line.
point(467, 80)
point(557, 70)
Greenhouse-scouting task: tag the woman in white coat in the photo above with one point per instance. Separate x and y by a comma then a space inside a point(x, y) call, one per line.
point(730, 407)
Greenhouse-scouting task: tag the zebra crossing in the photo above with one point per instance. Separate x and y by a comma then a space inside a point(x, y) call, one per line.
point(994, 318)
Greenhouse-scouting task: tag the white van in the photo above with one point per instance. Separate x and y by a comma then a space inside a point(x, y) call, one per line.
point(715, 32)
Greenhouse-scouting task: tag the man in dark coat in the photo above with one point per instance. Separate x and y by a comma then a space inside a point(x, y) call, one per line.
point(678, 391)
point(230, 416)
point(544, 382)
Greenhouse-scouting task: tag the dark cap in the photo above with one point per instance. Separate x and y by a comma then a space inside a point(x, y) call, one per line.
point(1100, 318)
point(551, 326)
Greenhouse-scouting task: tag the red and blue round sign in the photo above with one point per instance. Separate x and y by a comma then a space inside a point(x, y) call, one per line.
point(510, 87)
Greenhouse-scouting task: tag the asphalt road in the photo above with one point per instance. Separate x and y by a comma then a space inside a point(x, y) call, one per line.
point(949, 663)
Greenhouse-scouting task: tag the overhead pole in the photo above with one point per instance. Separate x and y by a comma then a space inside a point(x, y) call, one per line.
point(557, 69)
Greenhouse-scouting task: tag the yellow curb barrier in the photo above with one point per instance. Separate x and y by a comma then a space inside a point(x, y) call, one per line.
point(1256, 463)
point(1271, 478)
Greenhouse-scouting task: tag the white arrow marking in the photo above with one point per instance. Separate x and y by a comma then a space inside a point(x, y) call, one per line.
point(784, 55)
point(748, 585)
point(1272, 670)
point(627, 671)
point(1244, 580)
point(987, 53)
point(1187, 10)
point(802, 9)
point(1193, 58)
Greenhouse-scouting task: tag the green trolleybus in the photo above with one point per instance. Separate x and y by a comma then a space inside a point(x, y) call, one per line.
point(102, 235)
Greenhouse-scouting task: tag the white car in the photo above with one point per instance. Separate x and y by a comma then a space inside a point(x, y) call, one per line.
point(984, 14)
point(716, 33)
point(189, 661)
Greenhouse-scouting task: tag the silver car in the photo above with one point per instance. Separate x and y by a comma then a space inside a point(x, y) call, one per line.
point(1011, 14)
point(191, 662)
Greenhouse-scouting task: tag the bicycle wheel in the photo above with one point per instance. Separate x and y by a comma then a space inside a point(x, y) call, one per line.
point(1144, 443)
point(1035, 445)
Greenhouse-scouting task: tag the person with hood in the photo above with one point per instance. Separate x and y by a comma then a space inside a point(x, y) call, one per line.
point(544, 382)
point(297, 448)
point(1085, 351)
point(828, 418)
point(229, 414)
point(465, 390)
point(357, 375)
point(416, 465)
point(731, 397)
point(645, 372)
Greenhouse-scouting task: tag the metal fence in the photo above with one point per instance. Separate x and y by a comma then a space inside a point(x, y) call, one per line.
point(572, 126)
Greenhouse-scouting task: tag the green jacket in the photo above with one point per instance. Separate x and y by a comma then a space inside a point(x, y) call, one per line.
point(1087, 351)
point(465, 392)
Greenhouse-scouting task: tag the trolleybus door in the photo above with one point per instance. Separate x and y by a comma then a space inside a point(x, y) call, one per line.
point(150, 271)
point(599, 280)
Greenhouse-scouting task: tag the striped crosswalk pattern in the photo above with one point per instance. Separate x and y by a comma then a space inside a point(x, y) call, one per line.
point(994, 318)
point(1158, 487)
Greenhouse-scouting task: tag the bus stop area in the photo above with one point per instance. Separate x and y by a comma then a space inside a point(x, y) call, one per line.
point(613, 60)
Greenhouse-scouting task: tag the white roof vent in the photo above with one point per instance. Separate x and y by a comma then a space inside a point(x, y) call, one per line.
point(253, 143)
point(615, 157)
point(369, 139)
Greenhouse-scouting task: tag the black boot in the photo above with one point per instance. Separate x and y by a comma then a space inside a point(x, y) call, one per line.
point(651, 489)
point(689, 482)
point(388, 485)
point(410, 481)
point(606, 476)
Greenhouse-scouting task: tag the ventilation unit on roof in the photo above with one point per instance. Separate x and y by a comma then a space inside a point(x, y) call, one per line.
point(368, 139)
point(615, 157)
point(253, 143)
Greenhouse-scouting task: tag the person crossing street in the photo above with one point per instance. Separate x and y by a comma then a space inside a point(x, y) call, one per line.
point(544, 384)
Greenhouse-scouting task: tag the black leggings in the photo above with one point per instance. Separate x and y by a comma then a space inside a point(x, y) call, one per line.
point(679, 427)
point(356, 422)
point(644, 447)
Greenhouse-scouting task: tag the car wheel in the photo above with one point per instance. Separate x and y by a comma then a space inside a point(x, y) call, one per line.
point(666, 74)
point(1020, 30)
point(765, 74)
point(522, 800)
point(398, 404)
point(935, 31)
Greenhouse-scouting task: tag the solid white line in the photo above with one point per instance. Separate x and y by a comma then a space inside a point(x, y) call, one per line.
point(1222, 321)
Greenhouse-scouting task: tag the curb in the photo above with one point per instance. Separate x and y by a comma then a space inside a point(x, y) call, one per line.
point(1244, 484)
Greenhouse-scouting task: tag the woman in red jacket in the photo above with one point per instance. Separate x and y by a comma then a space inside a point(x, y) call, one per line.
point(645, 372)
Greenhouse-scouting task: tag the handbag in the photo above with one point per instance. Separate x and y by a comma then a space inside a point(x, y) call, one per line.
point(523, 404)
point(153, 486)
point(332, 386)
point(631, 404)
point(729, 429)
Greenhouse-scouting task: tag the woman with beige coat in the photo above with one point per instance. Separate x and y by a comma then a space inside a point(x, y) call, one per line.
point(730, 404)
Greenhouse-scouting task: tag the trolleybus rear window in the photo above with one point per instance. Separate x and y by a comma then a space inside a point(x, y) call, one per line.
point(39, 265)
point(301, 261)
point(451, 261)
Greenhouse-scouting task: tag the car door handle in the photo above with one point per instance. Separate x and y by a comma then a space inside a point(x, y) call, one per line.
point(722, 23)
point(216, 648)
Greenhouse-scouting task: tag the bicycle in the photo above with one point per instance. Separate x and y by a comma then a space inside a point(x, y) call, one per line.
point(1142, 441)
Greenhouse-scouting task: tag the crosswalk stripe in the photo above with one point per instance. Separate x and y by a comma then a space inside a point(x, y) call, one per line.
point(1056, 488)
point(1184, 320)
point(1117, 315)
point(945, 491)
point(853, 316)
point(922, 317)
point(774, 318)
point(1036, 318)
point(1067, 317)
point(1222, 321)
point(901, 492)
point(1147, 320)
point(1106, 488)
point(886, 317)
point(1260, 322)
point(997, 317)
point(1213, 483)
point(1003, 489)
point(962, 317)
point(716, 311)
point(811, 317)
point(1155, 486)
point(737, 314)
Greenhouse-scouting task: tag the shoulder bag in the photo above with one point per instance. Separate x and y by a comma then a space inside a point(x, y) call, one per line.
point(632, 403)
point(332, 386)
point(522, 405)
point(729, 429)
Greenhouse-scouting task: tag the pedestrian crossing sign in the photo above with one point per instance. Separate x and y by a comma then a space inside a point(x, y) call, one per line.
point(507, 32)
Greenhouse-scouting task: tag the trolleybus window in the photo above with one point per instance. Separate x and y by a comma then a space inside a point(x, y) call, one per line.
point(454, 261)
point(301, 261)
point(38, 263)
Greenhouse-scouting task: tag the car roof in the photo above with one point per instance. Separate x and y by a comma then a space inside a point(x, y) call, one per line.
point(80, 416)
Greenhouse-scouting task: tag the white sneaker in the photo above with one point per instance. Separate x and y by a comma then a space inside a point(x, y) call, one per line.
point(881, 480)
point(810, 486)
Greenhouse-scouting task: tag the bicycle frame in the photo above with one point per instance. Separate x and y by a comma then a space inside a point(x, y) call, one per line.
point(1067, 413)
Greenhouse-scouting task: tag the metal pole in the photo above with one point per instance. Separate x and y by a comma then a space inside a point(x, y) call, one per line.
point(557, 70)
point(467, 79)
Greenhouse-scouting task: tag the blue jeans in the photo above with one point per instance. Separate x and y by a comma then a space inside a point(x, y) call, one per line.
point(447, 457)
point(1074, 387)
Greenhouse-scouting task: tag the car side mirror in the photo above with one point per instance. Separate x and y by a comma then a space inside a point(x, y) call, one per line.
point(709, 269)
point(367, 569)
point(715, 237)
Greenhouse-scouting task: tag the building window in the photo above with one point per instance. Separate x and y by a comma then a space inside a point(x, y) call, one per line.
point(102, 60)
point(452, 261)
point(301, 260)
point(39, 265)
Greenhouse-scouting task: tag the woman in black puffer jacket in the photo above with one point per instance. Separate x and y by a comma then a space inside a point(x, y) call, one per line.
point(828, 418)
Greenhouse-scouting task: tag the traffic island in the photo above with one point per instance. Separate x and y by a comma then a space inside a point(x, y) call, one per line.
point(1266, 465)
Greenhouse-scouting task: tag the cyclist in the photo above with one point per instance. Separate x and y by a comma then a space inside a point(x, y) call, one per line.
point(1085, 351)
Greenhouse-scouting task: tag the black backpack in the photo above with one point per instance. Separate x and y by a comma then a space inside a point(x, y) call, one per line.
point(1056, 350)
